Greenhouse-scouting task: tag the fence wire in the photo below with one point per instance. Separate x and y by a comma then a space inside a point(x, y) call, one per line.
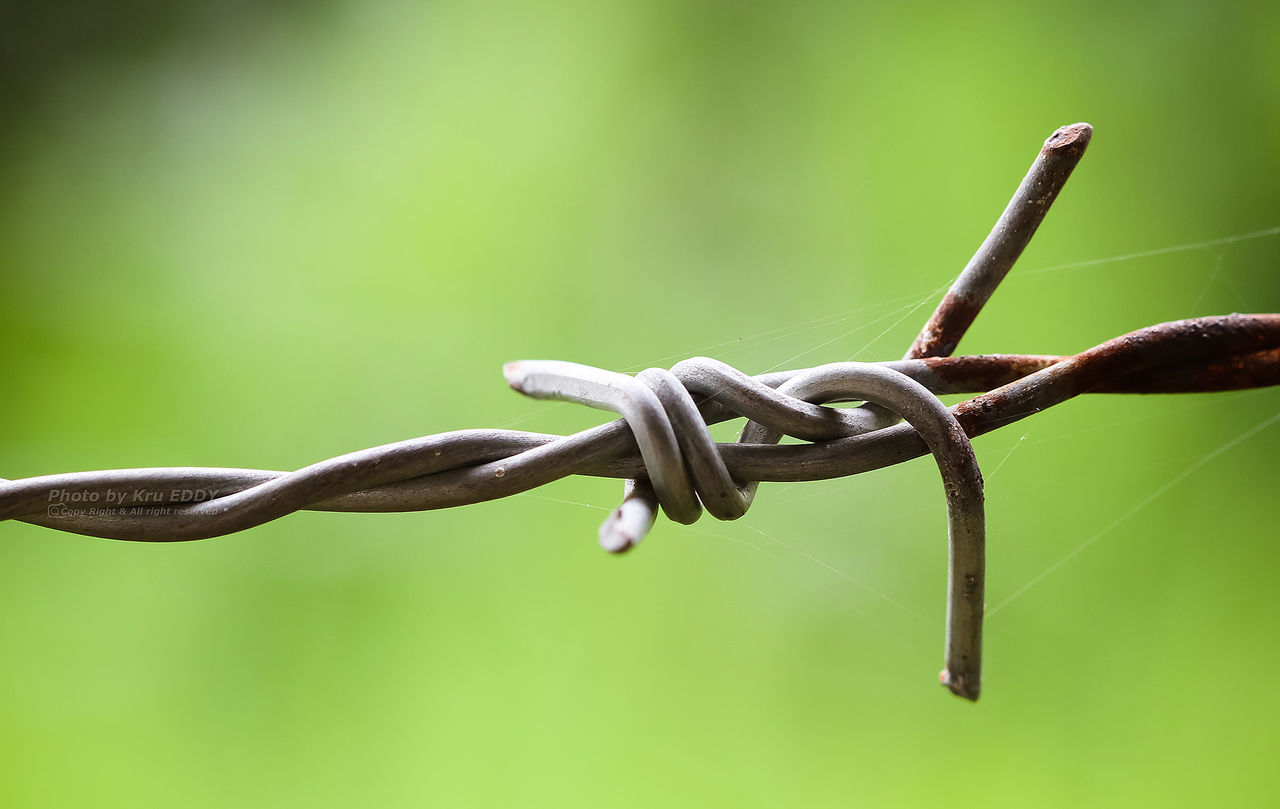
point(663, 449)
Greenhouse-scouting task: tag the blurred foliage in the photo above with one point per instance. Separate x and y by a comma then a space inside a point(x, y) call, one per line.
point(259, 235)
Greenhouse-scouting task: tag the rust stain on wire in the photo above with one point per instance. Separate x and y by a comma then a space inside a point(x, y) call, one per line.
point(662, 447)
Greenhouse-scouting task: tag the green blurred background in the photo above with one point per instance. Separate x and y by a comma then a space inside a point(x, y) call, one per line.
point(261, 234)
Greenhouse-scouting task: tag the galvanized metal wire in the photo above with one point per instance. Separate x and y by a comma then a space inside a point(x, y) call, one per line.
point(662, 446)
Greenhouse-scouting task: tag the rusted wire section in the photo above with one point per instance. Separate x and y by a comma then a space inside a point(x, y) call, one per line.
point(1006, 241)
point(662, 447)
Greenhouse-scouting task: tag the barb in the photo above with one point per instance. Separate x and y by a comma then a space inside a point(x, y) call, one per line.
point(966, 529)
point(1006, 241)
point(662, 447)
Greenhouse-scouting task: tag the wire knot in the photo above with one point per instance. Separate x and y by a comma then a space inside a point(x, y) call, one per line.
point(686, 472)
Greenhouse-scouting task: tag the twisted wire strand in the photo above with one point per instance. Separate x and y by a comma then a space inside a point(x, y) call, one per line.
point(1229, 352)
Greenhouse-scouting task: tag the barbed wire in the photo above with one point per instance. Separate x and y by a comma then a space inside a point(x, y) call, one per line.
point(663, 449)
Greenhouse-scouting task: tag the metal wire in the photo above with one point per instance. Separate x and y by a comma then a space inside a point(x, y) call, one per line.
point(457, 468)
point(663, 449)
